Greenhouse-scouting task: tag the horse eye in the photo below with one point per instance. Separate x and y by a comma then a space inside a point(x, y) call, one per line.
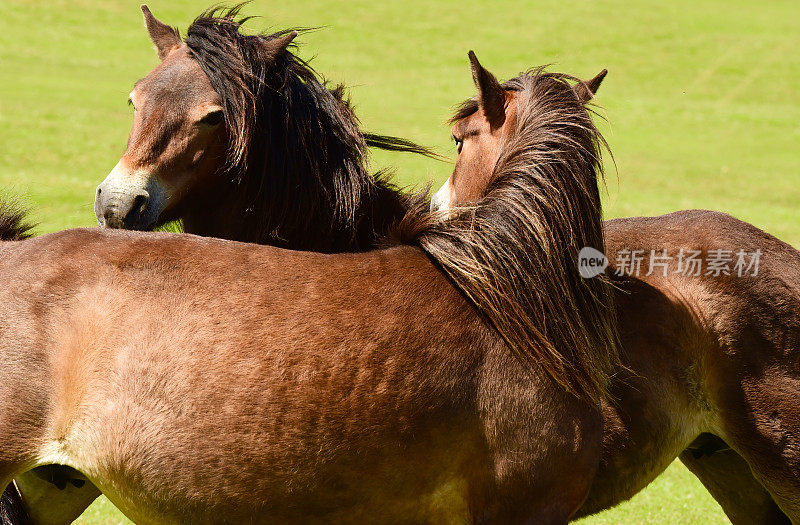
point(212, 119)
point(458, 142)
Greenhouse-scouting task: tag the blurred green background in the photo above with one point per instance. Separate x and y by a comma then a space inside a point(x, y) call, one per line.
point(701, 105)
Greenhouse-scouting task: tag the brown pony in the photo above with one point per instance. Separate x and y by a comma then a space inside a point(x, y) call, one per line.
point(722, 470)
point(240, 139)
point(199, 380)
point(704, 356)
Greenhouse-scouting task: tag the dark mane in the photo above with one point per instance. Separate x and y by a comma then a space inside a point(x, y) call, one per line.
point(14, 225)
point(295, 148)
point(515, 253)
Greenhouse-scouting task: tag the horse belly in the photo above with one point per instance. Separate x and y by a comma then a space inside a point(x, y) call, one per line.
point(427, 484)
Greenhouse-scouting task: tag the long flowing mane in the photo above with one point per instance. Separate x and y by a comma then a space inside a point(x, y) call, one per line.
point(295, 148)
point(514, 254)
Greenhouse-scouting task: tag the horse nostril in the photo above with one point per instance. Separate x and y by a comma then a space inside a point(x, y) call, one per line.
point(99, 191)
point(124, 210)
point(137, 210)
point(139, 204)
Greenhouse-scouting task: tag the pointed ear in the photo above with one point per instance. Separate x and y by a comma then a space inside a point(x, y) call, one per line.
point(164, 37)
point(274, 47)
point(586, 90)
point(491, 95)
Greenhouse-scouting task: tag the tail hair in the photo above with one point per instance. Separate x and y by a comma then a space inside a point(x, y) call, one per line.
point(14, 223)
point(12, 508)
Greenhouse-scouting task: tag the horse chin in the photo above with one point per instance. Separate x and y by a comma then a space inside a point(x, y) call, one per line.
point(440, 202)
point(117, 224)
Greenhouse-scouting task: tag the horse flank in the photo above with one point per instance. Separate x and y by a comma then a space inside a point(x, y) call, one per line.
point(295, 146)
point(514, 254)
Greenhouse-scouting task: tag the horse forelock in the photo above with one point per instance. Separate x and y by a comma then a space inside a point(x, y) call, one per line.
point(514, 254)
point(295, 148)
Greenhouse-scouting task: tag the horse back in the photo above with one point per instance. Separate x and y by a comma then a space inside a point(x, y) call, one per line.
point(736, 338)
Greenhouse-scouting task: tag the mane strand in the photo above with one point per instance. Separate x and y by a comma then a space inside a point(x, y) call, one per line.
point(389, 143)
point(514, 254)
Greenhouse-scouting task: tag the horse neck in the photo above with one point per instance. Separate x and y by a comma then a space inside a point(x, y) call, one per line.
point(224, 215)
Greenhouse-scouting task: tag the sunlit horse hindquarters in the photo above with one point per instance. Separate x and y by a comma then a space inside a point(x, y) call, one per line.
point(233, 134)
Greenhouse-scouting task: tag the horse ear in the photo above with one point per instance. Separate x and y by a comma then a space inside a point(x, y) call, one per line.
point(491, 95)
point(274, 47)
point(163, 36)
point(586, 90)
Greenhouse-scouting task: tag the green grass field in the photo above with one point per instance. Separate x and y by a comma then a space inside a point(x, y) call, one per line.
point(701, 104)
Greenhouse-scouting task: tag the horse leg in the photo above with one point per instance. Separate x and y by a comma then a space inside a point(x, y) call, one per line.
point(54, 494)
point(19, 429)
point(24, 415)
point(731, 482)
point(763, 426)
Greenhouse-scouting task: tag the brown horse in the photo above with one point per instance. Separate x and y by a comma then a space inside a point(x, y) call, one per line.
point(234, 134)
point(706, 355)
point(202, 380)
point(724, 472)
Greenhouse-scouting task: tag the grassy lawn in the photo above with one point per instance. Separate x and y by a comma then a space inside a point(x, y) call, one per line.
point(701, 106)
